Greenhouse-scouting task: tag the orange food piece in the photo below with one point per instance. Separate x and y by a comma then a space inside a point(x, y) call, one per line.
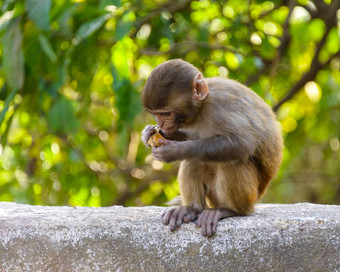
point(154, 140)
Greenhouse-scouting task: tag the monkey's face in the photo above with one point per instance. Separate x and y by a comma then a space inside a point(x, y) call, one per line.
point(179, 112)
point(173, 93)
point(166, 120)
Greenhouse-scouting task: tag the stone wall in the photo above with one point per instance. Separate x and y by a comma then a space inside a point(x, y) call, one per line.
point(299, 237)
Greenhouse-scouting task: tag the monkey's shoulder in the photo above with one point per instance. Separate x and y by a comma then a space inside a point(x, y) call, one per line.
point(225, 88)
point(231, 108)
point(230, 95)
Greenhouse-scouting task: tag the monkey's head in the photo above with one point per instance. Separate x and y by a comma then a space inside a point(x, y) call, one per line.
point(174, 93)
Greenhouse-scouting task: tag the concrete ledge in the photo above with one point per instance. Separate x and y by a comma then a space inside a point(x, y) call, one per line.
point(300, 237)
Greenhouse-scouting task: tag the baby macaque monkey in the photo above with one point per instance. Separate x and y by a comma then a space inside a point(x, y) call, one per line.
point(224, 134)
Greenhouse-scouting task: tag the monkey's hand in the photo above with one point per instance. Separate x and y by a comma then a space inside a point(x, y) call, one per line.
point(175, 216)
point(148, 131)
point(169, 151)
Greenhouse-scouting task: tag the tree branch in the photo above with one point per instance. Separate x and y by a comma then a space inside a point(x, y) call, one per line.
point(178, 5)
point(172, 7)
point(188, 46)
point(316, 65)
point(285, 39)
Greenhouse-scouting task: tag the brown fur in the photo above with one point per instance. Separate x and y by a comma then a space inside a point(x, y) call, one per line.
point(233, 145)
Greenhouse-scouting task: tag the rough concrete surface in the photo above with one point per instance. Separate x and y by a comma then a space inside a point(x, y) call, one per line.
point(299, 237)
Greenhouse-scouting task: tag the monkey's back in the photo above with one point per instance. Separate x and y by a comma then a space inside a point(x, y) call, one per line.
point(233, 109)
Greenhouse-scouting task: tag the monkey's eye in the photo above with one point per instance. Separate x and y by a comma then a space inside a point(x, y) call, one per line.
point(165, 114)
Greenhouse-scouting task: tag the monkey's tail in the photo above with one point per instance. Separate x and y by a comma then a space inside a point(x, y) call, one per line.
point(177, 201)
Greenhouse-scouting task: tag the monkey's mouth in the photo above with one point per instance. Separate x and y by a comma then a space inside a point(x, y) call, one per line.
point(170, 129)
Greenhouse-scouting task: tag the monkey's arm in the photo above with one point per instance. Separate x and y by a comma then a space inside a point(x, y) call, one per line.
point(222, 148)
point(216, 148)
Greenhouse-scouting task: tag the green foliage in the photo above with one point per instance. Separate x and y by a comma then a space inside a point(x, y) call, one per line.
point(13, 58)
point(38, 11)
point(61, 118)
point(71, 73)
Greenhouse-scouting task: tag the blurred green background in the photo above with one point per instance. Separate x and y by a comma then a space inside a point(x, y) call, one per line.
point(71, 74)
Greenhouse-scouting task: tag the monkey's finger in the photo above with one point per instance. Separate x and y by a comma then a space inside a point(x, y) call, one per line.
point(164, 212)
point(189, 217)
point(199, 220)
point(209, 222)
point(163, 141)
point(167, 215)
point(180, 216)
point(203, 223)
point(173, 220)
point(172, 224)
point(147, 133)
point(217, 217)
point(156, 153)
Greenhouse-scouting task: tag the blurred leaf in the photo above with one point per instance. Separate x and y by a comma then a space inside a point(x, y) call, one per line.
point(127, 100)
point(13, 57)
point(333, 41)
point(3, 92)
point(47, 48)
point(123, 139)
point(5, 19)
point(123, 57)
point(104, 3)
point(61, 117)
point(39, 12)
point(9, 99)
point(231, 60)
point(124, 25)
point(87, 29)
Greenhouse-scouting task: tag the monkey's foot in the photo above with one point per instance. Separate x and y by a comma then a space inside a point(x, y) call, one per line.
point(175, 216)
point(208, 219)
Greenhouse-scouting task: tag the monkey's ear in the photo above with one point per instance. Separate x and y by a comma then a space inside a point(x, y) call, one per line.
point(200, 88)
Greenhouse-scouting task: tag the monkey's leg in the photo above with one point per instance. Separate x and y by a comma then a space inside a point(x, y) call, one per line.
point(236, 192)
point(191, 181)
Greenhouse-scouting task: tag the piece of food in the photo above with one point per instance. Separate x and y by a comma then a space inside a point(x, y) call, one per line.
point(154, 139)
